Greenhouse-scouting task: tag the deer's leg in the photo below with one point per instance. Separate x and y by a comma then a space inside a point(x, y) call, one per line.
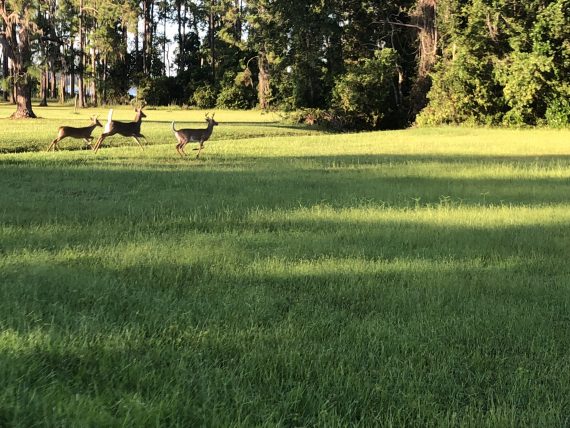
point(53, 144)
point(182, 145)
point(138, 142)
point(99, 141)
point(200, 149)
point(180, 148)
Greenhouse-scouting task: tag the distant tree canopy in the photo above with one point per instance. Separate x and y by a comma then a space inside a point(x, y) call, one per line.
point(501, 62)
point(367, 64)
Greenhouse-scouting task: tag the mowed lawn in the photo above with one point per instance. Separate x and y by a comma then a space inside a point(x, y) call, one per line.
point(402, 278)
point(22, 136)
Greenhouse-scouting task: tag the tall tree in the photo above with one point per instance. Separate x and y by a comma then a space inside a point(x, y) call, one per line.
point(148, 36)
point(266, 37)
point(20, 31)
point(81, 65)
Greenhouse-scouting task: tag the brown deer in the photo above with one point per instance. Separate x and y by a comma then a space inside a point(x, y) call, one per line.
point(126, 129)
point(184, 136)
point(70, 131)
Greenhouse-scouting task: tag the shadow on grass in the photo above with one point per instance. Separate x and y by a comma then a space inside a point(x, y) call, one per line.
point(181, 290)
point(253, 331)
point(183, 185)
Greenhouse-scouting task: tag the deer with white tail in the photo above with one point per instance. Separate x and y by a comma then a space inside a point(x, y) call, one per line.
point(72, 132)
point(126, 129)
point(184, 136)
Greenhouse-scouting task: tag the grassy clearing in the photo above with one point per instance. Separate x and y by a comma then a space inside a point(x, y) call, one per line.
point(400, 278)
point(23, 136)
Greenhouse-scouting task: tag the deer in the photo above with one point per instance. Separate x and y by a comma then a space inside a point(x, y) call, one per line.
point(70, 131)
point(184, 136)
point(126, 129)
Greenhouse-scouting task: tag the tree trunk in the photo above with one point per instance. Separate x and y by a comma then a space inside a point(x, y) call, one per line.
point(62, 88)
point(104, 95)
point(71, 71)
point(44, 88)
point(23, 100)
point(13, 85)
point(238, 24)
point(72, 84)
point(81, 57)
point(263, 88)
point(212, 40)
point(147, 36)
point(181, 50)
point(137, 52)
point(164, 48)
point(16, 42)
point(53, 83)
point(424, 18)
point(6, 74)
point(94, 78)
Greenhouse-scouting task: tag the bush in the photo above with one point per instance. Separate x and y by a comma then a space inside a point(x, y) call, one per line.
point(558, 113)
point(161, 91)
point(524, 77)
point(237, 93)
point(463, 91)
point(362, 96)
point(313, 116)
point(204, 96)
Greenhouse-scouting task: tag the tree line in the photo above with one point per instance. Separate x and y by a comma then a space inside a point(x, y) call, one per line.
point(342, 63)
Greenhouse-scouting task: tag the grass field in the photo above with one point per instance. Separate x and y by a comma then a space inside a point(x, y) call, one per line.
point(23, 136)
point(402, 278)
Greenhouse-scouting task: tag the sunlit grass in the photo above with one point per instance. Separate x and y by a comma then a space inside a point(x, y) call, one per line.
point(36, 135)
point(404, 278)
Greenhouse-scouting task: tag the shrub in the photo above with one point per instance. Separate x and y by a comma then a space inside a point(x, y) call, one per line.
point(237, 93)
point(313, 116)
point(204, 96)
point(463, 91)
point(558, 112)
point(161, 91)
point(524, 79)
point(362, 96)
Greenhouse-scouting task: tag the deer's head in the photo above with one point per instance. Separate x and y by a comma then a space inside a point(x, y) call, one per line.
point(95, 121)
point(138, 110)
point(211, 120)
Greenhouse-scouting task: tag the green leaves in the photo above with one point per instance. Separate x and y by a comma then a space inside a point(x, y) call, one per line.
point(362, 93)
point(502, 63)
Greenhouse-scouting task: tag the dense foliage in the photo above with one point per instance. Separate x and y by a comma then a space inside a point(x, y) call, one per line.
point(367, 64)
point(502, 62)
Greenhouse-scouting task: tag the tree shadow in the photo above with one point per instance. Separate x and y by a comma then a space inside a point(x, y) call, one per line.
point(203, 282)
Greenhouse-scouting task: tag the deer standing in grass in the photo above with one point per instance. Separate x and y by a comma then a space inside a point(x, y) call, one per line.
point(70, 131)
point(184, 136)
point(126, 129)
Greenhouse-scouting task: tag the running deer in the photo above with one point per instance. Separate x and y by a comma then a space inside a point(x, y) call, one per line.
point(184, 136)
point(70, 131)
point(126, 129)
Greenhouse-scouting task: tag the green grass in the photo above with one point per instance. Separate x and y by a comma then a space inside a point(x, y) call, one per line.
point(23, 136)
point(404, 278)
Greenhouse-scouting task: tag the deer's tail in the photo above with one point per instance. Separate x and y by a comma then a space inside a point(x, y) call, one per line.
point(173, 129)
point(109, 120)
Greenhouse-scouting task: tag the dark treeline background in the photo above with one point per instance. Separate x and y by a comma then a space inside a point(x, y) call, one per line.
point(344, 63)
